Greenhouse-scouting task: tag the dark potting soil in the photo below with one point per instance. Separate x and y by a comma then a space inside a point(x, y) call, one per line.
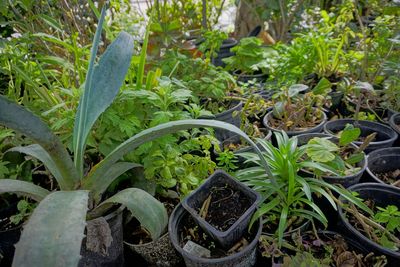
point(331, 249)
point(191, 231)
point(295, 124)
point(389, 177)
point(225, 207)
point(374, 236)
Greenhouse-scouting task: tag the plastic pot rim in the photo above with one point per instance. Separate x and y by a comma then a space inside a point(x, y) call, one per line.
point(211, 260)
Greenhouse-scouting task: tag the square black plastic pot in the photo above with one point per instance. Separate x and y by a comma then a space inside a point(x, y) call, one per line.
point(195, 200)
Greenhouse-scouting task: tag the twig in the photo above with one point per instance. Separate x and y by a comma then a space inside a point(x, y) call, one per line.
point(204, 208)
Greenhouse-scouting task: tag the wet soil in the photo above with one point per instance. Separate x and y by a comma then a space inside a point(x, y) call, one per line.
point(225, 207)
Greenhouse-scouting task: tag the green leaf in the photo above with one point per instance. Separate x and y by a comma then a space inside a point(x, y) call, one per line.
point(320, 149)
point(146, 209)
point(18, 118)
point(38, 152)
point(264, 208)
point(54, 233)
point(323, 87)
point(102, 85)
point(23, 188)
point(355, 158)
point(348, 135)
point(169, 128)
point(295, 89)
point(143, 55)
point(282, 224)
point(97, 184)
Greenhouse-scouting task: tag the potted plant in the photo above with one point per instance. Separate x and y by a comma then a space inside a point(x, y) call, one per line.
point(346, 161)
point(383, 166)
point(296, 113)
point(319, 248)
point(381, 135)
point(377, 230)
point(249, 60)
point(80, 187)
point(288, 201)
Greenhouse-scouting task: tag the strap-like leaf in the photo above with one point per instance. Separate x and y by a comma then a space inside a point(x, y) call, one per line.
point(169, 128)
point(145, 208)
point(97, 184)
point(38, 152)
point(23, 188)
point(102, 85)
point(54, 233)
point(18, 118)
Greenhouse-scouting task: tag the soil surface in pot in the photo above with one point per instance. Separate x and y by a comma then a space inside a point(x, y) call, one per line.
point(224, 206)
point(239, 143)
point(328, 248)
point(390, 177)
point(192, 232)
point(295, 124)
point(379, 234)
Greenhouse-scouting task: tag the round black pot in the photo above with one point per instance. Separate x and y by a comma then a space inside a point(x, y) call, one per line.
point(394, 122)
point(224, 52)
point(227, 116)
point(345, 181)
point(391, 112)
point(245, 257)
point(382, 195)
point(158, 253)
point(316, 129)
point(114, 255)
point(385, 135)
point(383, 160)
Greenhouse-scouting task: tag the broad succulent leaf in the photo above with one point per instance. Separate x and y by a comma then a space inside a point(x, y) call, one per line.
point(23, 188)
point(151, 213)
point(54, 233)
point(18, 118)
point(101, 86)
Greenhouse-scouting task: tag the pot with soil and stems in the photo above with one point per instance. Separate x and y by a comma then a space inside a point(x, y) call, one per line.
point(222, 207)
point(103, 245)
point(345, 180)
point(385, 136)
point(224, 52)
point(375, 195)
point(202, 250)
point(228, 116)
point(321, 248)
point(236, 145)
point(315, 126)
point(394, 122)
point(384, 166)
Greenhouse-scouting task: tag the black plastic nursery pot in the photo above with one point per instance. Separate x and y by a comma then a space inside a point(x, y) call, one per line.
point(383, 160)
point(394, 122)
point(244, 258)
point(224, 52)
point(383, 195)
point(159, 252)
point(220, 179)
point(227, 116)
point(110, 256)
point(316, 129)
point(385, 135)
point(345, 181)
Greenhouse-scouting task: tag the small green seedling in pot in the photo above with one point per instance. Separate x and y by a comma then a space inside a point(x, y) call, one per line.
point(341, 158)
